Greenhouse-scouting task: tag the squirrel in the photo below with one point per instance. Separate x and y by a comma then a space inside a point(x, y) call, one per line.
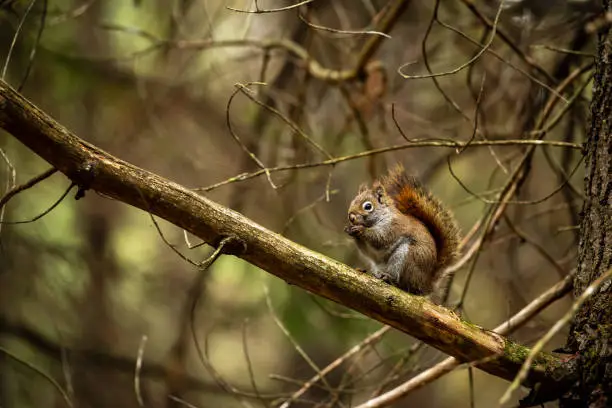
point(407, 236)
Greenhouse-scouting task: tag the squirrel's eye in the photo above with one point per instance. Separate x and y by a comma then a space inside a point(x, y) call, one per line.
point(367, 206)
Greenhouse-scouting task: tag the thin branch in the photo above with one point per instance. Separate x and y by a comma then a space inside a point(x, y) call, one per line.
point(37, 370)
point(28, 184)
point(247, 357)
point(536, 245)
point(112, 362)
point(182, 401)
point(504, 60)
point(563, 50)
point(296, 345)
point(45, 212)
point(41, 28)
point(545, 197)
point(14, 41)
point(275, 10)
point(464, 65)
point(338, 31)
point(506, 38)
point(476, 113)
point(371, 339)
point(237, 138)
point(324, 197)
point(137, 388)
point(248, 93)
point(434, 78)
point(413, 144)
point(191, 305)
point(395, 10)
point(10, 182)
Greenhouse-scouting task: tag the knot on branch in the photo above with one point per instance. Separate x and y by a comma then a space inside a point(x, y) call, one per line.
point(83, 177)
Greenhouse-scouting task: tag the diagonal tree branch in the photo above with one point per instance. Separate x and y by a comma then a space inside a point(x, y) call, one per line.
point(92, 168)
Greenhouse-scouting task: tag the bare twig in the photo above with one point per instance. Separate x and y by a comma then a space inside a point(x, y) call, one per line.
point(247, 357)
point(248, 93)
point(45, 212)
point(37, 370)
point(296, 345)
point(339, 31)
point(371, 339)
point(191, 305)
point(275, 10)
point(465, 64)
point(237, 139)
point(414, 143)
point(506, 38)
point(137, 389)
point(28, 184)
point(323, 197)
point(41, 28)
point(10, 183)
point(14, 41)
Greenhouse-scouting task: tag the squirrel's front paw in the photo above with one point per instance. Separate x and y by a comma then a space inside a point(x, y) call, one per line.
point(387, 279)
point(361, 270)
point(382, 276)
point(353, 230)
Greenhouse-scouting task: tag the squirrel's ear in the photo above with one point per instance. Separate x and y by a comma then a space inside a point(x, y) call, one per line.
point(363, 187)
point(379, 191)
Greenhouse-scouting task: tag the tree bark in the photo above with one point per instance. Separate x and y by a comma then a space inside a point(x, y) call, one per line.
point(590, 336)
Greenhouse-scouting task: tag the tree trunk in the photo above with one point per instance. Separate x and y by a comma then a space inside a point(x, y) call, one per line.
point(591, 332)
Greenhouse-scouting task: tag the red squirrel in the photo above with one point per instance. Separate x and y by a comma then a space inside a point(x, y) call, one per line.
point(407, 236)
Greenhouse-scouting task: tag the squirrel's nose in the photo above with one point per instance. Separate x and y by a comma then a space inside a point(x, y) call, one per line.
point(352, 218)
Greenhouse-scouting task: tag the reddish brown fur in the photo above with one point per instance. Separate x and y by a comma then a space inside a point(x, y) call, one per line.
point(411, 198)
point(407, 236)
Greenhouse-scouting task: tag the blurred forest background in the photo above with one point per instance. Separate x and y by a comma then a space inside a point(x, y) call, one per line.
point(200, 93)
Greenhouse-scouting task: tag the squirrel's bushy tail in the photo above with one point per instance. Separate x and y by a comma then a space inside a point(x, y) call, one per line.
point(413, 199)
